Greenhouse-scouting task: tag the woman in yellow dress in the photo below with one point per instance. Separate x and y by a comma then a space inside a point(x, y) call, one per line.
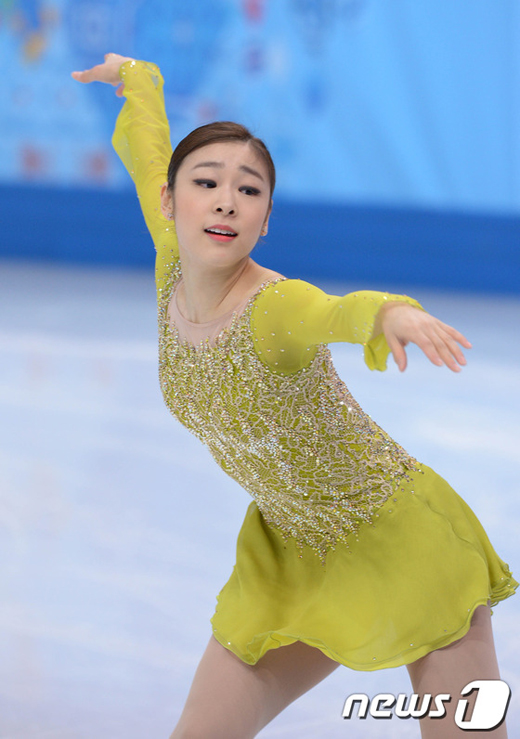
point(352, 552)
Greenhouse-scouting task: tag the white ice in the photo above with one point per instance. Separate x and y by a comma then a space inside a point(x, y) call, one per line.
point(117, 530)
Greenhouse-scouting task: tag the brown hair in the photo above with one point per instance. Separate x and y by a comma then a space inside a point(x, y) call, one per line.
point(214, 133)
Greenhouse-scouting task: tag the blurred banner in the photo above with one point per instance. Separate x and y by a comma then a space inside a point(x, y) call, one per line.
point(394, 126)
point(392, 102)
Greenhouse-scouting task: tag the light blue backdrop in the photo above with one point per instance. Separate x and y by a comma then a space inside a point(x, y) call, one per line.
point(384, 102)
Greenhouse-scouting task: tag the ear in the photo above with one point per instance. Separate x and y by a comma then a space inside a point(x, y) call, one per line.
point(264, 230)
point(166, 202)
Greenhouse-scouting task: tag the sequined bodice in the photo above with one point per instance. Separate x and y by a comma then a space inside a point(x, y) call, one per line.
point(315, 463)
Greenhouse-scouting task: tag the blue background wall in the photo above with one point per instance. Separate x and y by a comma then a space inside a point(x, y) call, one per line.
point(394, 127)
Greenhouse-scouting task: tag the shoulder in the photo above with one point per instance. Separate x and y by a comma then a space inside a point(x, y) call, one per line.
point(283, 291)
point(286, 306)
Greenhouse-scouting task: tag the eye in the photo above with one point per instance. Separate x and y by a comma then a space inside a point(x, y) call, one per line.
point(205, 183)
point(249, 190)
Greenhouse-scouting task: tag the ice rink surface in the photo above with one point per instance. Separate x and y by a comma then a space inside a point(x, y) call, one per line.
point(117, 529)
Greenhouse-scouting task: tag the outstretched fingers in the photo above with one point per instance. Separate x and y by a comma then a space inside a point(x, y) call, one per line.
point(442, 345)
point(94, 74)
point(398, 352)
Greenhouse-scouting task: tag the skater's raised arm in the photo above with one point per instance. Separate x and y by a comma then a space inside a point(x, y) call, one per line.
point(142, 141)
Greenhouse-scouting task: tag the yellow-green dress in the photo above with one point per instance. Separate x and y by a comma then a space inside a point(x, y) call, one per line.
point(350, 545)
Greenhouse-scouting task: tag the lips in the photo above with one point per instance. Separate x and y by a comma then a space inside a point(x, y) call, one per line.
point(221, 233)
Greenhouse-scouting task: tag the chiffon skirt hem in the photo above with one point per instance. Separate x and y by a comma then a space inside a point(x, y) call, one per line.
point(407, 584)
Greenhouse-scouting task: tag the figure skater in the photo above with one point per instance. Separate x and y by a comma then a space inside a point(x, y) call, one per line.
point(352, 551)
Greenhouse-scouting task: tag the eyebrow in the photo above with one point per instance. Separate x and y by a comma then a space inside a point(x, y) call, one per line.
point(220, 165)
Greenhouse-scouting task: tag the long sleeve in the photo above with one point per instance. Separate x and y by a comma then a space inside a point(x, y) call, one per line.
point(290, 318)
point(142, 141)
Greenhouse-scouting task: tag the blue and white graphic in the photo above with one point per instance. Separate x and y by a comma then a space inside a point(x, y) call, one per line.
point(361, 101)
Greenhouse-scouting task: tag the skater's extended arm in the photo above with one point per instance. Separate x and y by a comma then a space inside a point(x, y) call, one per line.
point(290, 318)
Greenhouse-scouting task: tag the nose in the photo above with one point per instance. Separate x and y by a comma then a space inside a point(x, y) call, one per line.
point(228, 210)
point(225, 202)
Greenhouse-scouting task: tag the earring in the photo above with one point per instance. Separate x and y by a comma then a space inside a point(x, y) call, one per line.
point(170, 216)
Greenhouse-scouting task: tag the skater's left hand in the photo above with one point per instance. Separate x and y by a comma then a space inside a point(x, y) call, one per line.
point(402, 323)
point(107, 72)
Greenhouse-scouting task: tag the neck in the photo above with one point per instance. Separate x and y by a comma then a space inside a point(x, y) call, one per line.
point(208, 293)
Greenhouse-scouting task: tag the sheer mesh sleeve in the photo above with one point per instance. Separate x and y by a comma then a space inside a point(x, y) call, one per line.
point(142, 141)
point(290, 318)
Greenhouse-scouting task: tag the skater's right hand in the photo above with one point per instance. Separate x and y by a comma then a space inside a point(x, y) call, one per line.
point(107, 72)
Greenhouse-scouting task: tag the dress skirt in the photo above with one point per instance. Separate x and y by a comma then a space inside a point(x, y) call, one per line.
point(406, 584)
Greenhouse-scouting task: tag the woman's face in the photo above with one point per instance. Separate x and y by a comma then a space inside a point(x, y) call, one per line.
point(221, 203)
